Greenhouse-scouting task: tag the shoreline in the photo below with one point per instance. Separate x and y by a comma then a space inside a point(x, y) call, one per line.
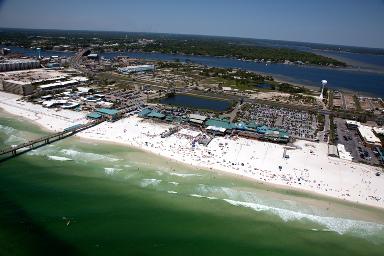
point(144, 135)
point(327, 205)
point(277, 188)
point(276, 77)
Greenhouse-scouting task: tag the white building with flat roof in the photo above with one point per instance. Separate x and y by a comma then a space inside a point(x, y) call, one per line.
point(368, 136)
point(378, 130)
point(343, 153)
point(351, 124)
point(136, 68)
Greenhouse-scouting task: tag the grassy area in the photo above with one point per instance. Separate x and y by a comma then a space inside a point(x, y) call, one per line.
point(332, 131)
point(357, 103)
point(250, 52)
point(303, 99)
point(330, 99)
point(320, 122)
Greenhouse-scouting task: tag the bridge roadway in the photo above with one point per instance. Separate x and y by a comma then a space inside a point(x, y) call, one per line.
point(33, 144)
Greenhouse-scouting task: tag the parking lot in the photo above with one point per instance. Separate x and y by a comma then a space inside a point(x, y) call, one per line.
point(299, 124)
point(353, 144)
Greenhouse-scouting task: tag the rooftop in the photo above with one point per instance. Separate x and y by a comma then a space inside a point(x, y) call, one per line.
point(144, 112)
point(107, 111)
point(352, 122)
point(368, 135)
point(215, 128)
point(94, 115)
point(197, 117)
point(343, 153)
point(34, 75)
point(156, 114)
point(219, 123)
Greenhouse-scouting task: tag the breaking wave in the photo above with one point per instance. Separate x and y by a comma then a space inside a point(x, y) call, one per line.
point(59, 158)
point(111, 171)
point(201, 196)
point(7, 129)
point(13, 139)
point(85, 156)
point(184, 174)
point(289, 210)
point(149, 182)
point(336, 224)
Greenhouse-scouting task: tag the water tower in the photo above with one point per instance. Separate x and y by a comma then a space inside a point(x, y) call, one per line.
point(38, 52)
point(323, 83)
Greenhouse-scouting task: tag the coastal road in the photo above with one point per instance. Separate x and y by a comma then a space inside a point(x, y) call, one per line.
point(233, 114)
point(344, 105)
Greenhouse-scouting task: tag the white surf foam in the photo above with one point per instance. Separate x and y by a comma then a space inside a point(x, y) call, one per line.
point(184, 174)
point(201, 196)
point(7, 129)
point(110, 170)
point(226, 192)
point(13, 139)
point(173, 183)
point(196, 195)
point(86, 156)
point(59, 158)
point(172, 192)
point(336, 224)
point(149, 182)
point(287, 210)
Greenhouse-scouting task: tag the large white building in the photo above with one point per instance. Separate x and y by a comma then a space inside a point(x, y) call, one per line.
point(136, 68)
point(25, 82)
point(16, 87)
point(366, 132)
point(18, 64)
point(62, 84)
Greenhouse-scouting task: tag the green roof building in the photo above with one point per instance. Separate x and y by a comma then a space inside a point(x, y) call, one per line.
point(112, 114)
point(220, 123)
point(155, 114)
point(169, 118)
point(94, 115)
point(144, 112)
point(107, 111)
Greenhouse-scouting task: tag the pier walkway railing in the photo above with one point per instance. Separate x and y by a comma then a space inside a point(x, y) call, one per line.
point(13, 151)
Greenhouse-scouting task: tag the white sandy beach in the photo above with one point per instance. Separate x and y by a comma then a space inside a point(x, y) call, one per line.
point(307, 168)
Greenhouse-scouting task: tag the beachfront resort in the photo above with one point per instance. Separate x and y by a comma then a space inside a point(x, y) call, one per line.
point(267, 134)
